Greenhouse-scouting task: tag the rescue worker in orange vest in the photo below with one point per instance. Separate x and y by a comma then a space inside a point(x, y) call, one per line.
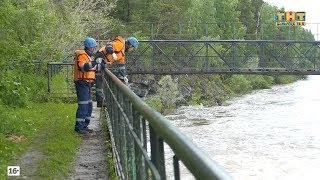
point(113, 54)
point(84, 75)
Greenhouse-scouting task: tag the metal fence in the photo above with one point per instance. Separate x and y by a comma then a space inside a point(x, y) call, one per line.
point(225, 57)
point(60, 78)
point(138, 134)
point(205, 57)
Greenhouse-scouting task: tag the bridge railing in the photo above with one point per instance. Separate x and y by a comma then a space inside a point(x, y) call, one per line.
point(225, 56)
point(206, 57)
point(138, 134)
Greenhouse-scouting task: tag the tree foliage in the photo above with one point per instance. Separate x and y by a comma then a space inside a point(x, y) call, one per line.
point(43, 30)
point(49, 30)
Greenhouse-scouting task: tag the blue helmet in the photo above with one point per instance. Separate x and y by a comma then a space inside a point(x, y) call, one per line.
point(133, 41)
point(90, 42)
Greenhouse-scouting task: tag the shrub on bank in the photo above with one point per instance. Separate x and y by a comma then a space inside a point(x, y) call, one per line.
point(17, 88)
point(209, 89)
point(260, 82)
point(155, 102)
point(239, 84)
point(286, 79)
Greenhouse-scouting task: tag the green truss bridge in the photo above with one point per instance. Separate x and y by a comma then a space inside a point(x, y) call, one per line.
point(226, 57)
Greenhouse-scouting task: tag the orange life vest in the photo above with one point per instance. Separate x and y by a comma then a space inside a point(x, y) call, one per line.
point(81, 57)
point(118, 45)
point(104, 52)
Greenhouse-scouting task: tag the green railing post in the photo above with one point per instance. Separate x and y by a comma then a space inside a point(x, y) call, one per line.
point(157, 153)
point(234, 51)
point(176, 167)
point(144, 140)
point(122, 134)
point(130, 143)
point(138, 156)
point(262, 59)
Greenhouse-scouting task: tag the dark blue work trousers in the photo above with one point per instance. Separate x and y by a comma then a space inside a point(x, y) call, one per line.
point(84, 110)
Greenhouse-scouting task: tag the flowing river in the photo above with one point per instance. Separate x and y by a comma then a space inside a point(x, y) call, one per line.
point(267, 134)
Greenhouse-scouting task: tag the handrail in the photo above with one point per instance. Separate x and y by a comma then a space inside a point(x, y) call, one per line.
point(199, 164)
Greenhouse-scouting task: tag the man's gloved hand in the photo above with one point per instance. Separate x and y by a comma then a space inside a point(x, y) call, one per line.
point(99, 60)
point(114, 56)
point(109, 49)
point(100, 67)
point(126, 80)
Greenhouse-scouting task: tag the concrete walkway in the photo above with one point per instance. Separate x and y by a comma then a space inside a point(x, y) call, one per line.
point(91, 157)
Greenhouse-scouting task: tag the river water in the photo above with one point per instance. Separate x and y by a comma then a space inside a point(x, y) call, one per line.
point(268, 134)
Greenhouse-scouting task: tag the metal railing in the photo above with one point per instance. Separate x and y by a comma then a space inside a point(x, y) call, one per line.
point(138, 134)
point(60, 74)
point(225, 57)
point(162, 57)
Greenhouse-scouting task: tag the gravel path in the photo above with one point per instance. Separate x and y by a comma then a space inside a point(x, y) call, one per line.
point(91, 157)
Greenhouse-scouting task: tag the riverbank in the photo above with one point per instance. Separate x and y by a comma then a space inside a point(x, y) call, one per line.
point(171, 92)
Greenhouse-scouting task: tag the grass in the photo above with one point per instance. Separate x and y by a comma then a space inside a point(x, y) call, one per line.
point(62, 87)
point(111, 166)
point(47, 126)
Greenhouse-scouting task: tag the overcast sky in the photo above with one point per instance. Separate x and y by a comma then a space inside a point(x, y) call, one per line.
point(311, 7)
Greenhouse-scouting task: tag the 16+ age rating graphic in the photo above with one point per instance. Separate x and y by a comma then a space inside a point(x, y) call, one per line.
point(13, 170)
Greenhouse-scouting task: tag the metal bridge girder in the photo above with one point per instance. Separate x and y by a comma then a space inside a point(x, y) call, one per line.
point(225, 57)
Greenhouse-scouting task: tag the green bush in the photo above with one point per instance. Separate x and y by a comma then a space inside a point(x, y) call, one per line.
point(239, 84)
point(259, 82)
point(12, 91)
point(285, 79)
point(37, 86)
point(155, 102)
point(196, 97)
point(17, 88)
point(168, 92)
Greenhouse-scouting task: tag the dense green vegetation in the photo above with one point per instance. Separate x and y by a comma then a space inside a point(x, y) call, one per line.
point(47, 30)
point(50, 30)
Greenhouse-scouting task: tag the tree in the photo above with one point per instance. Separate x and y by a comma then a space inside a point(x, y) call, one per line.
point(250, 16)
point(228, 20)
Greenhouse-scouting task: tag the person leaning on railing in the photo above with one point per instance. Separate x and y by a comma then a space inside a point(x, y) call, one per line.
point(113, 55)
point(84, 75)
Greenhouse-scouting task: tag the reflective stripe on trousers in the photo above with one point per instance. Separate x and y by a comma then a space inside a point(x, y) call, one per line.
point(83, 102)
point(80, 120)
